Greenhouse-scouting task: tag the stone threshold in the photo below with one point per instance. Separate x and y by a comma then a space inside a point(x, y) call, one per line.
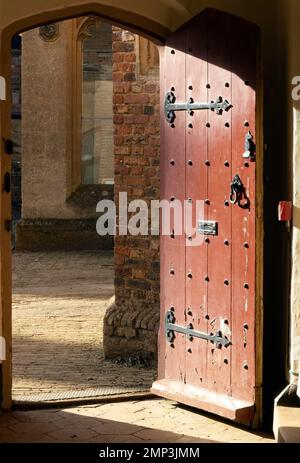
point(33, 403)
point(286, 425)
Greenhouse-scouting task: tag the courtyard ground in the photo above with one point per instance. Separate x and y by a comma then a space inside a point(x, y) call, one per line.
point(148, 421)
point(59, 302)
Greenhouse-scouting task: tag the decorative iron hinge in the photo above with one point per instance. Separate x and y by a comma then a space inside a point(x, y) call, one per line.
point(171, 106)
point(171, 329)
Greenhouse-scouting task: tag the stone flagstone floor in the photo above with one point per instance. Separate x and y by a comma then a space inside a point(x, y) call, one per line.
point(148, 421)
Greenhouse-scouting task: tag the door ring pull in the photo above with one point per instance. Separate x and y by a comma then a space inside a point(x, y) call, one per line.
point(238, 194)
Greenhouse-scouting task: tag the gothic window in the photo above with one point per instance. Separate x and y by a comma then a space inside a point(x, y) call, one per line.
point(96, 137)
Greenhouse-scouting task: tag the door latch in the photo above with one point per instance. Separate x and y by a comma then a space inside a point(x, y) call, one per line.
point(250, 147)
point(238, 193)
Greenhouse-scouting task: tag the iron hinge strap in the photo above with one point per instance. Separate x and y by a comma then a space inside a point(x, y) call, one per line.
point(171, 106)
point(171, 328)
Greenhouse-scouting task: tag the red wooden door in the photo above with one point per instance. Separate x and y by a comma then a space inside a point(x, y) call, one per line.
point(211, 287)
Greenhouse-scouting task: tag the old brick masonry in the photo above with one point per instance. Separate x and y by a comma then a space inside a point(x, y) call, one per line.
point(132, 320)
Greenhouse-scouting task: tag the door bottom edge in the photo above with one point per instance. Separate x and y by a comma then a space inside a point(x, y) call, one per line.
point(218, 404)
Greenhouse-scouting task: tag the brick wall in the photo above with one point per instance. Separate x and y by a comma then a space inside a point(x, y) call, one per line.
point(132, 320)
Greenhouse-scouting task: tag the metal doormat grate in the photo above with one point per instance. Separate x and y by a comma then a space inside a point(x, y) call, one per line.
point(82, 394)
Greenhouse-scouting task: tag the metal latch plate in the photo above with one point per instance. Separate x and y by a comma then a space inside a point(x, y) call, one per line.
point(207, 227)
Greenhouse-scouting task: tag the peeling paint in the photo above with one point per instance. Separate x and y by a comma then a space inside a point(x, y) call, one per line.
point(212, 323)
point(224, 328)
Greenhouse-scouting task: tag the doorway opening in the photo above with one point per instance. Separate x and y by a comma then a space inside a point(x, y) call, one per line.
point(85, 122)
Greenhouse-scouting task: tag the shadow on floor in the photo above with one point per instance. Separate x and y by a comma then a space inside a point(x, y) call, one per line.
point(63, 427)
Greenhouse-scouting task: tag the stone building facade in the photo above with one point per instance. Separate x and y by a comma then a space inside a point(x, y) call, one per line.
point(98, 85)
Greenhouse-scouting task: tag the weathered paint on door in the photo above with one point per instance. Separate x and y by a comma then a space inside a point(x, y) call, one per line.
point(211, 286)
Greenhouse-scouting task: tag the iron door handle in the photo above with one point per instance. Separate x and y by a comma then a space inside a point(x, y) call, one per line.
point(238, 193)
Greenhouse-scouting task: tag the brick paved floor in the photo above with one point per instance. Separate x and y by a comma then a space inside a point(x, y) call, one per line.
point(146, 421)
point(59, 301)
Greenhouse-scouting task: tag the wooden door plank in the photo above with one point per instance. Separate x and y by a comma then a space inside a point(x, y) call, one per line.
point(196, 189)
point(219, 179)
point(243, 220)
point(173, 272)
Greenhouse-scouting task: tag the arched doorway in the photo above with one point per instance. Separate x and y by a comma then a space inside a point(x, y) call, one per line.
point(36, 19)
point(6, 254)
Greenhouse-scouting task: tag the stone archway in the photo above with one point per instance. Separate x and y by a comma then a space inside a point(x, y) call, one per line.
point(6, 281)
point(130, 332)
point(156, 20)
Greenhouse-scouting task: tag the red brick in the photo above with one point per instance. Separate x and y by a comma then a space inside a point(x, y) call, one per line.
point(122, 250)
point(151, 130)
point(130, 77)
point(118, 118)
point(138, 192)
point(124, 129)
point(121, 109)
point(123, 47)
point(140, 119)
point(154, 141)
point(117, 76)
point(118, 99)
point(153, 99)
point(118, 57)
point(130, 57)
point(151, 172)
point(119, 260)
point(136, 98)
point(121, 150)
point(143, 161)
point(139, 161)
point(137, 150)
point(135, 109)
point(138, 129)
point(117, 36)
point(123, 67)
point(122, 87)
point(139, 273)
point(136, 140)
point(150, 88)
point(137, 170)
point(136, 88)
point(134, 181)
point(151, 151)
point(119, 140)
